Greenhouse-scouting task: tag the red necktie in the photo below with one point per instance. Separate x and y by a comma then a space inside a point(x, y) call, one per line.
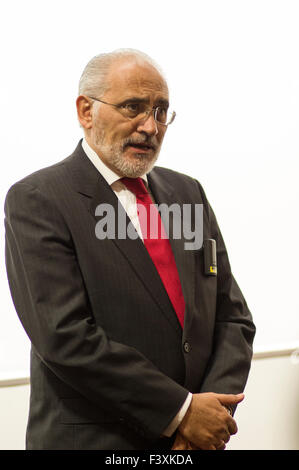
point(157, 244)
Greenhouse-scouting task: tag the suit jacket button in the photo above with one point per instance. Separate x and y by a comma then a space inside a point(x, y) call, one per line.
point(187, 347)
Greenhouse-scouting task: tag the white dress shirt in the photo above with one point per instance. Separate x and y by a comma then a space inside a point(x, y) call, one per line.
point(128, 201)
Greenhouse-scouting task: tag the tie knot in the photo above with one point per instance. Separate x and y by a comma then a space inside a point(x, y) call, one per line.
point(136, 185)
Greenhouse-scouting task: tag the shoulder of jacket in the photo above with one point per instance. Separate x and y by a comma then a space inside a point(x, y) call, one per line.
point(40, 178)
point(182, 179)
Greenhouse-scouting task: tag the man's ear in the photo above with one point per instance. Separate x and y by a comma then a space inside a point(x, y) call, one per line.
point(84, 112)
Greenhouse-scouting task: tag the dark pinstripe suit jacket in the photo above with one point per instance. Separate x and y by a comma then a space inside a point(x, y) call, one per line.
point(108, 366)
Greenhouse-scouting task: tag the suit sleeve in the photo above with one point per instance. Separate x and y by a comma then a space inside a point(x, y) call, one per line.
point(234, 330)
point(50, 298)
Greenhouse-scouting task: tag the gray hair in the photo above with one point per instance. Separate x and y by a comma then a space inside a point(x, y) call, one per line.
point(93, 79)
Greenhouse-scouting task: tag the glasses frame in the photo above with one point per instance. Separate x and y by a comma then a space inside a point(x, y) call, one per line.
point(154, 108)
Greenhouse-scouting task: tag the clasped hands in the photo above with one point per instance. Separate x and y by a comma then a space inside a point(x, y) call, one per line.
point(207, 424)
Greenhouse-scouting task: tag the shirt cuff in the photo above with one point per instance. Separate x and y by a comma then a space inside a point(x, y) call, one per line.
point(178, 418)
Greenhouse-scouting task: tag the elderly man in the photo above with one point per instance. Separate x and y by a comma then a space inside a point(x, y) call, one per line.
point(135, 345)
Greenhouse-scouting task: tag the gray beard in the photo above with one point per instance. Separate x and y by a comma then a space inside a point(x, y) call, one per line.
point(141, 165)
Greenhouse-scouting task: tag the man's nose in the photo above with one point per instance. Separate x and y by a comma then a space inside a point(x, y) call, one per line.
point(148, 125)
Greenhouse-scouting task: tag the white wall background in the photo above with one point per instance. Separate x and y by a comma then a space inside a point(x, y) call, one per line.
point(233, 72)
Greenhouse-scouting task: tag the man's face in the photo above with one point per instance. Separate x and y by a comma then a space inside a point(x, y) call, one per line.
point(129, 147)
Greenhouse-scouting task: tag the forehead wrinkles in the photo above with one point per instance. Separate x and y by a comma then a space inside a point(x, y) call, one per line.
point(127, 79)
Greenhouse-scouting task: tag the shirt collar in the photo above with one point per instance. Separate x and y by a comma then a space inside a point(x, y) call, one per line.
point(109, 175)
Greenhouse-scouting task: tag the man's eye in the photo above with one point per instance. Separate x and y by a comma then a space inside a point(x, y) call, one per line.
point(161, 115)
point(132, 107)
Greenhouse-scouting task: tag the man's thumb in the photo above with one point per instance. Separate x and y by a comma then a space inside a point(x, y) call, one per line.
point(229, 399)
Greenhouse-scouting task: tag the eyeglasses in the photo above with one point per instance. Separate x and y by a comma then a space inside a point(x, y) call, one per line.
point(140, 110)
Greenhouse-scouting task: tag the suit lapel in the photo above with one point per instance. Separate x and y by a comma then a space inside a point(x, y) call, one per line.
point(95, 191)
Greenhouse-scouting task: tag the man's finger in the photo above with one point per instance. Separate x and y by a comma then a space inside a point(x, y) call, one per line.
point(180, 443)
point(232, 426)
point(221, 446)
point(226, 436)
point(211, 447)
point(229, 399)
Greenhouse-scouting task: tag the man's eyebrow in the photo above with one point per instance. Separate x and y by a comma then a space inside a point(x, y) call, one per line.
point(134, 99)
point(138, 99)
point(163, 102)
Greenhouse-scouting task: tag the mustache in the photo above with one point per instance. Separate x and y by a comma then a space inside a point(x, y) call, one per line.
point(146, 141)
